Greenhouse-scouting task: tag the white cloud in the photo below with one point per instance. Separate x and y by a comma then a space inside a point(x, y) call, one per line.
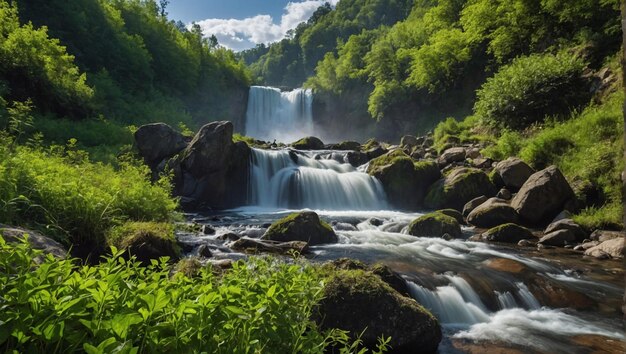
point(239, 34)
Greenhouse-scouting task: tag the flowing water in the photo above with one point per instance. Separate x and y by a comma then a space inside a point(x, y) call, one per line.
point(273, 114)
point(550, 301)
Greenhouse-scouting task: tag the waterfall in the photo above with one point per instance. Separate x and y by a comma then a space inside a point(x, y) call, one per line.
point(284, 116)
point(316, 180)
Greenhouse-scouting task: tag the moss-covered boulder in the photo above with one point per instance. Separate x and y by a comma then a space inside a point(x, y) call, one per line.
point(346, 145)
point(491, 213)
point(308, 143)
point(508, 233)
point(303, 226)
point(453, 213)
point(435, 225)
point(405, 181)
point(361, 303)
point(145, 240)
point(459, 187)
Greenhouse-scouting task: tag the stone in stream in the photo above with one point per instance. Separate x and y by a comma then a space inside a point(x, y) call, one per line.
point(361, 303)
point(542, 196)
point(578, 232)
point(512, 173)
point(491, 213)
point(558, 238)
point(302, 226)
point(356, 158)
point(614, 248)
point(459, 187)
point(472, 204)
point(254, 246)
point(404, 180)
point(435, 225)
point(453, 213)
point(308, 143)
point(509, 233)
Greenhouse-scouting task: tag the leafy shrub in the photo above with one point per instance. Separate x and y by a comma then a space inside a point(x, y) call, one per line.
point(530, 88)
point(261, 305)
point(75, 199)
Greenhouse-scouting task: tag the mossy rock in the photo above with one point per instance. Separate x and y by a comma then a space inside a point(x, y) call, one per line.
point(459, 187)
point(435, 225)
point(145, 240)
point(303, 226)
point(308, 143)
point(347, 145)
point(509, 233)
point(404, 180)
point(491, 213)
point(360, 302)
point(453, 213)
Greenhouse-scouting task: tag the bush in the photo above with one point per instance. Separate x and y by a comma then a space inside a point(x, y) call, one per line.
point(261, 305)
point(75, 200)
point(530, 88)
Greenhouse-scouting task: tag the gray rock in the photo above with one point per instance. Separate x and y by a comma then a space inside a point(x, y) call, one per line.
point(455, 154)
point(472, 204)
point(542, 196)
point(605, 235)
point(158, 141)
point(208, 230)
point(35, 239)
point(504, 194)
point(472, 153)
point(513, 172)
point(205, 251)
point(459, 187)
point(567, 224)
point(558, 238)
point(491, 213)
point(613, 247)
point(408, 140)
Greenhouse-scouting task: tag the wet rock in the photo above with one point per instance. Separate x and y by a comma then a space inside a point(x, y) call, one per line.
point(455, 154)
point(361, 303)
point(542, 196)
point(36, 240)
point(435, 225)
point(553, 294)
point(229, 236)
point(458, 188)
point(613, 247)
point(408, 140)
point(491, 213)
point(513, 172)
point(346, 145)
point(418, 153)
point(472, 204)
point(375, 152)
point(509, 233)
point(526, 243)
point(595, 343)
point(208, 230)
point(205, 251)
point(404, 180)
point(393, 226)
point(303, 226)
point(158, 141)
point(567, 224)
point(393, 279)
point(558, 238)
point(356, 158)
point(375, 221)
point(504, 194)
point(506, 265)
point(308, 143)
point(255, 246)
point(453, 213)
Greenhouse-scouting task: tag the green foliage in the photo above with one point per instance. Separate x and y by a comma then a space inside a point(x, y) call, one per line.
point(149, 238)
point(77, 200)
point(262, 305)
point(531, 88)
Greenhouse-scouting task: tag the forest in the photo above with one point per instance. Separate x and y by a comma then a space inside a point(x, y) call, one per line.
point(467, 196)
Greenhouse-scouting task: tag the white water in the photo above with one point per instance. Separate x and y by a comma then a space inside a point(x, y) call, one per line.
point(286, 179)
point(284, 116)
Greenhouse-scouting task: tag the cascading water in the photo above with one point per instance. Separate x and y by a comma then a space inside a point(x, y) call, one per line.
point(316, 180)
point(284, 116)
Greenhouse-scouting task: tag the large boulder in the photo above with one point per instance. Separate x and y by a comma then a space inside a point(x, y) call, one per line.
point(35, 239)
point(579, 234)
point(558, 238)
point(158, 141)
point(404, 180)
point(508, 233)
point(512, 173)
point(459, 187)
point(362, 304)
point(435, 225)
point(303, 226)
point(472, 204)
point(212, 170)
point(542, 196)
point(308, 143)
point(491, 213)
point(615, 248)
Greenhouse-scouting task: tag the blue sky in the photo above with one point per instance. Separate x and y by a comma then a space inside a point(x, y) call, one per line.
point(241, 24)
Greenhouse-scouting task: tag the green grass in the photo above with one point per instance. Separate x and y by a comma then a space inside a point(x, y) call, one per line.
point(60, 192)
point(261, 305)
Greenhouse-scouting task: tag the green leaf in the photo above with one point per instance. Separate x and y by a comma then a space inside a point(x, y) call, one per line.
point(271, 291)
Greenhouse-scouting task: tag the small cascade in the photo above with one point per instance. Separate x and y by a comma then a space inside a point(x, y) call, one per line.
point(301, 179)
point(284, 116)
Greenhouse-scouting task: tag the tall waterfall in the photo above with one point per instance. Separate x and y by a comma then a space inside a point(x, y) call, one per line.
point(316, 180)
point(284, 116)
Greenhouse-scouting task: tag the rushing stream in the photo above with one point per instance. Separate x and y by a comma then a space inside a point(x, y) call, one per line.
point(548, 301)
